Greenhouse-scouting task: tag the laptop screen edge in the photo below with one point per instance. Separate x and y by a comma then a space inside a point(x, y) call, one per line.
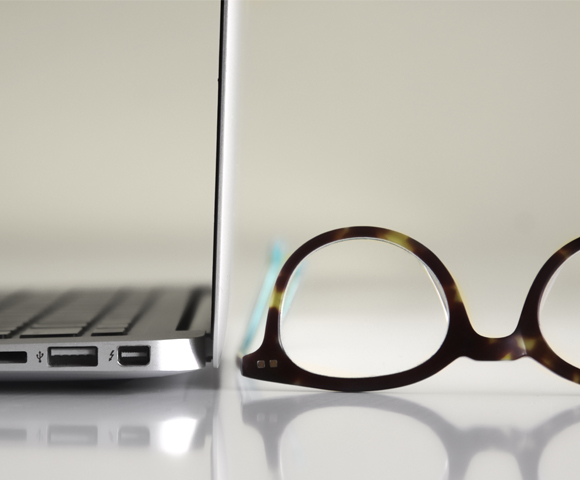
point(223, 207)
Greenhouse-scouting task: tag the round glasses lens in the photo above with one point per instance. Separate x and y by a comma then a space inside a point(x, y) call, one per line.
point(362, 308)
point(560, 312)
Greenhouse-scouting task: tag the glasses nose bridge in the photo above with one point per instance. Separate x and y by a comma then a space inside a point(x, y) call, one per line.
point(510, 347)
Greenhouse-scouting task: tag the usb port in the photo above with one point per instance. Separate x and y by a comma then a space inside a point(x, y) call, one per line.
point(72, 357)
point(137, 355)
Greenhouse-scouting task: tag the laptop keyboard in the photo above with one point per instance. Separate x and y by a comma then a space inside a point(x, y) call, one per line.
point(50, 314)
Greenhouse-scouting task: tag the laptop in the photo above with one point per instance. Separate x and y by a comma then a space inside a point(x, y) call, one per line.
point(116, 333)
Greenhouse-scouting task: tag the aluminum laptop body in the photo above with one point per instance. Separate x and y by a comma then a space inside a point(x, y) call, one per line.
point(128, 333)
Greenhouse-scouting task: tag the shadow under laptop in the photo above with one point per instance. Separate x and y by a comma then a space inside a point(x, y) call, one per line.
point(203, 379)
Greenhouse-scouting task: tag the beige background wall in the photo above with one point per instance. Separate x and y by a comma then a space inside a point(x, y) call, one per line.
point(454, 122)
point(107, 150)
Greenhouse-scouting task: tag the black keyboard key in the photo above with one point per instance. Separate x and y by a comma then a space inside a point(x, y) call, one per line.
point(51, 332)
point(119, 319)
point(79, 312)
point(25, 309)
point(102, 331)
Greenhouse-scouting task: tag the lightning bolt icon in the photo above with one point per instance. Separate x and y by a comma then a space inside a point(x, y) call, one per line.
point(112, 354)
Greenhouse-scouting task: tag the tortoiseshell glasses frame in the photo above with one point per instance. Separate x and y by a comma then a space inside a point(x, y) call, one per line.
point(271, 363)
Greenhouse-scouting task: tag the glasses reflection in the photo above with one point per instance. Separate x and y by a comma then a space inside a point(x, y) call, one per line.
point(409, 435)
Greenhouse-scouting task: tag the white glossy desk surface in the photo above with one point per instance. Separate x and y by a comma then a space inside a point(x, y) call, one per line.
point(473, 420)
point(177, 429)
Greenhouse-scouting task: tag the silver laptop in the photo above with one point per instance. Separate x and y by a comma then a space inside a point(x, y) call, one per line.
point(126, 332)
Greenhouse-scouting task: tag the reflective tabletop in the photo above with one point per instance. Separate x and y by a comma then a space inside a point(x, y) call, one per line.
point(189, 427)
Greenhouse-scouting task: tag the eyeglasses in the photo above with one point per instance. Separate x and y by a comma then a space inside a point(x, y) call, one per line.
point(271, 362)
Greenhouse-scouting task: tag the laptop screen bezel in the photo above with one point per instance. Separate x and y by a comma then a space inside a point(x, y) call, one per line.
point(223, 206)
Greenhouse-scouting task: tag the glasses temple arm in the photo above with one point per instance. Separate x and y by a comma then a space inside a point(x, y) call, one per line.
point(277, 259)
